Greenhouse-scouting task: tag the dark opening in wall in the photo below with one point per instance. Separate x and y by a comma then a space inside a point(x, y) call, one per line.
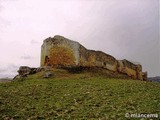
point(46, 61)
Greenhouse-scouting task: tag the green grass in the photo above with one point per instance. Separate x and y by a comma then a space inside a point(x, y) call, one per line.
point(77, 97)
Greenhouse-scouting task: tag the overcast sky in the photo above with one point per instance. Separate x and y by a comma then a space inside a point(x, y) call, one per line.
point(125, 29)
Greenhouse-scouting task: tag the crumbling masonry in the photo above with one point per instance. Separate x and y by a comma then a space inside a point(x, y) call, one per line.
point(89, 58)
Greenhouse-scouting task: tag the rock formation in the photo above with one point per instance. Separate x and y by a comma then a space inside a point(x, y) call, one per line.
point(24, 71)
point(58, 51)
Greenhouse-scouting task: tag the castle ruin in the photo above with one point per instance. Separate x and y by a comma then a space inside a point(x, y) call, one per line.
point(58, 47)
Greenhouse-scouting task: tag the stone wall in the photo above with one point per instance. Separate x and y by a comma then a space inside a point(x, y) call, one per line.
point(131, 69)
point(97, 58)
point(90, 58)
point(83, 56)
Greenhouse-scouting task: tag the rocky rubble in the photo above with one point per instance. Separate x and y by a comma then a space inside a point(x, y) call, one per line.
point(24, 71)
point(48, 75)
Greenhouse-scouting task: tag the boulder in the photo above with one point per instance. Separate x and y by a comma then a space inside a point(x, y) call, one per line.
point(33, 70)
point(39, 69)
point(48, 75)
point(24, 70)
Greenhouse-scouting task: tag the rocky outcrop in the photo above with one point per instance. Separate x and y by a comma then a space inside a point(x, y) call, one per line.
point(24, 71)
point(86, 58)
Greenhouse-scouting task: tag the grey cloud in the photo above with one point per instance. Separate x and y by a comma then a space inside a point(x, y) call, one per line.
point(0, 16)
point(9, 71)
point(6, 75)
point(26, 57)
point(3, 70)
point(34, 42)
point(1, 7)
point(3, 22)
point(134, 33)
point(12, 66)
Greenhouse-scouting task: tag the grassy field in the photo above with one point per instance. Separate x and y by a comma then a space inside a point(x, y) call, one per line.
point(77, 97)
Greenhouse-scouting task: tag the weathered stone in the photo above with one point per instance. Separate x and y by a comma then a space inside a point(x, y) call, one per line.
point(24, 70)
point(39, 69)
point(47, 68)
point(144, 74)
point(88, 58)
point(33, 70)
point(48, 75)
point(83, 56)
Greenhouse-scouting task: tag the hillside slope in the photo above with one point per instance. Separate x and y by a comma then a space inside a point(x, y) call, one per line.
point(77, 96)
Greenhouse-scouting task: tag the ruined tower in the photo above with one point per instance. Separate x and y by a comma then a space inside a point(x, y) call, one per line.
point(62, 51)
